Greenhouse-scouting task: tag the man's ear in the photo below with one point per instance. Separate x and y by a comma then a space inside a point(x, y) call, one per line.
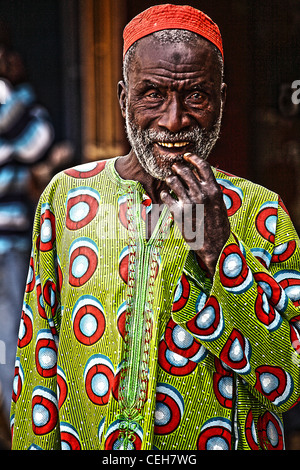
point(122, 95)
point(223, 95)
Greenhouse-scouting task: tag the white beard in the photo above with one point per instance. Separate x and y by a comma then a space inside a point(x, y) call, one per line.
point(142, 142)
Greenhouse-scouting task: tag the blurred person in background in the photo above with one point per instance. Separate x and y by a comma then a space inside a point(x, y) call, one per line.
point(26, 136)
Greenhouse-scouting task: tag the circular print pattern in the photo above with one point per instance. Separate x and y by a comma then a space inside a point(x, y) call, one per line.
point(182, 342)
point(26, 327)
point(69, 437)
point(270, 432)
point(182, 293)
point(215, 435)
point(99, 379)
point(174, 363)
point(235, 274)
point(49, 296)
point(62, 387)
point(18, 380)
point(121, 318)
point(30, 282)
point(123, 264)
point(266, 221)
point(274, 383)
point(264, 311)
point(48, 233)
point(289, 280)
point(45, 354)
point(263, 256)
point(295, 333)
point(208, 324)
point(82, 207)
point(83, 261)
point(88, 320)
point(232, 195)
point(169, 409)
point(274, 292)
point(122, 202)
point(236, 352)
point(44, 410)
point(40, 299)
point(86, 170)
point(250, 432)
point(223, 384)
point(114, 439)
point(284, 251)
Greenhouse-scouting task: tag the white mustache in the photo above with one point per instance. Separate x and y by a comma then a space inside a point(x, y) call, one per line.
point(152, 136)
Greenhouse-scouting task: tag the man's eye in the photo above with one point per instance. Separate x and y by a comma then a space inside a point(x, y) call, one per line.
point(197, 97)
point(154, 95)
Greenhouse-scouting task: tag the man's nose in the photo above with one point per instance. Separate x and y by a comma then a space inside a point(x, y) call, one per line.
point(174, 117)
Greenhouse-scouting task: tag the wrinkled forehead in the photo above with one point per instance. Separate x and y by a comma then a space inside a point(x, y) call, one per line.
point(183, 57)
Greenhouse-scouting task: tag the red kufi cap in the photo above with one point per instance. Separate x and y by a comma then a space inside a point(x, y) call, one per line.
point(168, 16)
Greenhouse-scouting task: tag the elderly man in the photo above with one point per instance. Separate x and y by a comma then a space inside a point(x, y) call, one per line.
point(134, 333)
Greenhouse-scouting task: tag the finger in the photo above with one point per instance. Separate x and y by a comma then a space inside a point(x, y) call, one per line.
point(189, 179)
point(177, 186)
point(209, 186)
point(166, 197)
point(192, 166)
point(202, 168)
point(174, 206)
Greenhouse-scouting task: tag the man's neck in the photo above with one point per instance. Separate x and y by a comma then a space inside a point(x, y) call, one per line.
point(129, 168)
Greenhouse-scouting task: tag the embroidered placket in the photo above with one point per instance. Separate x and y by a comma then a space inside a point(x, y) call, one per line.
point(142, 268)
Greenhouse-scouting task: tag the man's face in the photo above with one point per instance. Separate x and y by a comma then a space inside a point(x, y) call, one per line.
point(173, 103)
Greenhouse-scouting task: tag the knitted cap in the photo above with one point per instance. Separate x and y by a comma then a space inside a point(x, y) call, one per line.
point(169, 16)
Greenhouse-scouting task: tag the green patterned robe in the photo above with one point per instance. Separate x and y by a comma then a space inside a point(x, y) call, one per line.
point(126, 343)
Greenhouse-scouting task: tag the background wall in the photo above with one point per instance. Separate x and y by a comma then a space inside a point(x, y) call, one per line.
point(46, 34)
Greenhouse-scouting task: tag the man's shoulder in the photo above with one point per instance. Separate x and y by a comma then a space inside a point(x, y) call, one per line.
point(85, 178)
point(83, 174)
point(84, 171)
point(245, 187)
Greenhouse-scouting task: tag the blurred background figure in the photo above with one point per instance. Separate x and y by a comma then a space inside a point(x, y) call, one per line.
point(26, 135)
point(28, 159)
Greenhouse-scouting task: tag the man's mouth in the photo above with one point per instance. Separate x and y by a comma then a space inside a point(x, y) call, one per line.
point(171, 145)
